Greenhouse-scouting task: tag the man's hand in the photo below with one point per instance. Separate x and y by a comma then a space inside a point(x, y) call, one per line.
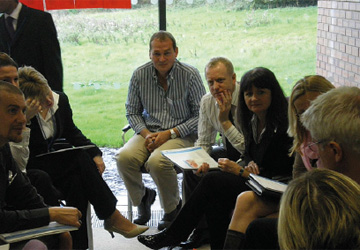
point(32, 108)
point(224, 103)
point(99, 164)
point(65, 215)
point(203, 169)
point(229, 166)
point(155, 140)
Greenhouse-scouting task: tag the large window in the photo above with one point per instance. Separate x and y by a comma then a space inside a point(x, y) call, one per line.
point(101, 48)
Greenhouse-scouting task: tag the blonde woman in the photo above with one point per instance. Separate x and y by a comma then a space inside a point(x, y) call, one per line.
point(78, 173)
point(320, 210)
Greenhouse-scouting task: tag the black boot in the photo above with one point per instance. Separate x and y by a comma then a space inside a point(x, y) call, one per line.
point(234, 240)
point(144, 209)
point(159, 240)
point(169, 217)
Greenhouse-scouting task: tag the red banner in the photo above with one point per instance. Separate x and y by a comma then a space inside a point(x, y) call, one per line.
point(77, 4)
point(60, 4)
point(36, 4)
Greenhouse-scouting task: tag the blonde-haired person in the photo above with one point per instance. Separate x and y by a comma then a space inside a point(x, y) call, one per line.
point(78, 173)
point(320, 210)
point(250, 206)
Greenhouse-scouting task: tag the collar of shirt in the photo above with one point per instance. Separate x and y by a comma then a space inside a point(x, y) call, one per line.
point(170, 74)
point(15, 14)
point(54, 108)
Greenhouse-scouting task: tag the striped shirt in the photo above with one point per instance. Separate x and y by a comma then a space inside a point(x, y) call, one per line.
point(149, 106)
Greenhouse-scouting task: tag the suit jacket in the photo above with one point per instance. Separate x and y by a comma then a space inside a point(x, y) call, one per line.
point(65, 128)
point(35, 44)
point(272, 153)
point(20, 205)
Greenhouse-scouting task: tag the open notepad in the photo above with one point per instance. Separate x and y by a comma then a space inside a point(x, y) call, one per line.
point(190, 158)
point(52, 228)
point(266, 187)
point(66, 149)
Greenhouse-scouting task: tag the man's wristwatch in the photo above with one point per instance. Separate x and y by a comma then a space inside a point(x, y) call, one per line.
point(173, 134)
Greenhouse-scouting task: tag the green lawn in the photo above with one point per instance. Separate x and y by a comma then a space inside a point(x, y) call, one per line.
point(100, 50)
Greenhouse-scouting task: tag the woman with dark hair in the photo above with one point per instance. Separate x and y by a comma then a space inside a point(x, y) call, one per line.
point(263, 110)
point(249, 206)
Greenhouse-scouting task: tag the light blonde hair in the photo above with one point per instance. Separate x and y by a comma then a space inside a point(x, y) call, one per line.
point(335, 116)
point(32, 83)
point(313, 83)
point(216, 60)
point(320, 210)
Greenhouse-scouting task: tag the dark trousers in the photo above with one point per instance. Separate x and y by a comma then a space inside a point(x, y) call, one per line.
point(262, 234)
point(191, 180)
point(214, 197)
point(44, 186)
point(75, 175)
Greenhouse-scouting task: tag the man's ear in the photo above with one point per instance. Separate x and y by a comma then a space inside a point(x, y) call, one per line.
point(176, 51)
point(337, 151)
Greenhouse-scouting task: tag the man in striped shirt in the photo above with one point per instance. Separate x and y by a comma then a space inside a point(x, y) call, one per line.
point(162, 107)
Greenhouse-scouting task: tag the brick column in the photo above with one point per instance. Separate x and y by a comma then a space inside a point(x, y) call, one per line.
point(338, 41)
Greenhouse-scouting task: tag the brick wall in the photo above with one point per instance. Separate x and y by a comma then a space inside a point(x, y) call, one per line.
point(338, 41)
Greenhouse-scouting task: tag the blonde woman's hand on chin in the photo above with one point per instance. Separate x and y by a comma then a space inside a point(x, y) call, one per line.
point(32, 108)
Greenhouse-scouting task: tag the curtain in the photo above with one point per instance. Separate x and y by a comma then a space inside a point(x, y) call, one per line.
point(77, 4)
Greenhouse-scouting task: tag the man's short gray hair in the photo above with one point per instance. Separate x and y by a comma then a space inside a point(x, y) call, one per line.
point(216, 60)
point(335, 116)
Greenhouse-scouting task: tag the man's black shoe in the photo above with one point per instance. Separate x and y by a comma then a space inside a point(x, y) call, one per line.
point(169, 217)
point(144, 209)
point(197, 239)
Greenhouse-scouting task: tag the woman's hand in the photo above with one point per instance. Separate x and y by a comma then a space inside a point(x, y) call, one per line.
point(253, 168)
point(203, 169)
point(32, 108)
point(99, 164)
point(229, 166)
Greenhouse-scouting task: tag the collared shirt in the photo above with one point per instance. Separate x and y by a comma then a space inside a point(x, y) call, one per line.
point(15, 15)
point(209, 123)
point(20, 150)
point(47, 123)
point(149, 106)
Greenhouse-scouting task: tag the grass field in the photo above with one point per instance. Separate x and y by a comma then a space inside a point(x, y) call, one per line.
point(100, 50)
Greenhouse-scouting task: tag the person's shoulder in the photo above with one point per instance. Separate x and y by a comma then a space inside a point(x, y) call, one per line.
point(31, 12)
point(207, 98)
point(62, 96)
point(186, 68)
point(145, 67)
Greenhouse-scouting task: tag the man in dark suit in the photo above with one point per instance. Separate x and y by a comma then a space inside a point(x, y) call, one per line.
point(30, 38)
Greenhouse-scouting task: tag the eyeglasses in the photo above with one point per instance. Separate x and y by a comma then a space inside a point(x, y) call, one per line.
point(312, 150)
point(314, 146)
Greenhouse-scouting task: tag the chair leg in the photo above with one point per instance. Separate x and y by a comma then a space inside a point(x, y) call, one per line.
point(89, 227)
point(130, 209)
